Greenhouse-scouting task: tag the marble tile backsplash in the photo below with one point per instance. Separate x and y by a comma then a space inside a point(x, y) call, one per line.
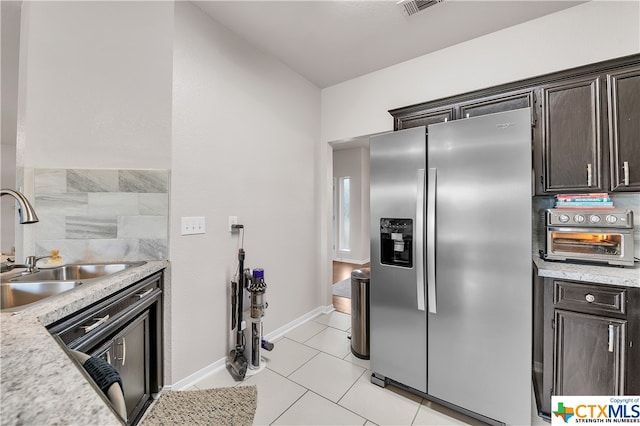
point(102, 215)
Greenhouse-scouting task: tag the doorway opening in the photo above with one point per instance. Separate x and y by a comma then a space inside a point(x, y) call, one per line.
point(350, 216)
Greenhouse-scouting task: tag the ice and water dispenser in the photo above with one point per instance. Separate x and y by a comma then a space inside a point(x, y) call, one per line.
point(396, 242)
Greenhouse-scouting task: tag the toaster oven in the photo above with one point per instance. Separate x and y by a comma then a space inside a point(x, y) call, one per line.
point(589, 235)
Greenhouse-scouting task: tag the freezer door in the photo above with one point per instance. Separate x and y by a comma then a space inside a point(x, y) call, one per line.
point(397, 293)
point(480, 334)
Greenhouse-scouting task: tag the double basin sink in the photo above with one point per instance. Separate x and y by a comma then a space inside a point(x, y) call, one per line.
point(22, 290)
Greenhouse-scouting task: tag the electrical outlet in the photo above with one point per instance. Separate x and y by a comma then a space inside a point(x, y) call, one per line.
point(193, 225)
point(233, 220)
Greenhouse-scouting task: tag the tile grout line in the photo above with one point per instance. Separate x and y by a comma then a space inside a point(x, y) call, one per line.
point(351, 387)
point(302, 365)
point(341, 406)
point(292, 404)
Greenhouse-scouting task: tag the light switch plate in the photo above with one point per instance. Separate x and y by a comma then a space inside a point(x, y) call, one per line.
point(193, 225)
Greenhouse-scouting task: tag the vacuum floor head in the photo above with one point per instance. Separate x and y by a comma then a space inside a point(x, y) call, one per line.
point(237, 365)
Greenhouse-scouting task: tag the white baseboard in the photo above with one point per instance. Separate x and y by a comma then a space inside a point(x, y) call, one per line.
point(352, 261)
point(279, 332)
point(220, 364)
point(194, 378)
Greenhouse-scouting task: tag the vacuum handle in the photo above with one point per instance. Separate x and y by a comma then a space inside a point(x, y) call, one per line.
point(241, 286)
point(234, 301)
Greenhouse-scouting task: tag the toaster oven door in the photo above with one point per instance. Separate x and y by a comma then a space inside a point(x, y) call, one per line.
point(600, 245)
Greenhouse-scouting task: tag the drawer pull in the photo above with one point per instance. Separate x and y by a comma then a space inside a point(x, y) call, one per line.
point(610, 338)
point(143, 294)
point(99, 321)
point(590, 298)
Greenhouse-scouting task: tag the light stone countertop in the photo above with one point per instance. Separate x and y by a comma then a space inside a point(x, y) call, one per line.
point(600, 274)
point(39, 383)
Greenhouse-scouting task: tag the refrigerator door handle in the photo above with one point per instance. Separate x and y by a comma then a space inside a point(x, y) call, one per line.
point(431, 239)
point(420, 241)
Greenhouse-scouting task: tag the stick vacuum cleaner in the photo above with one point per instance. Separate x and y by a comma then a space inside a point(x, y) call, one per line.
point(237, 363)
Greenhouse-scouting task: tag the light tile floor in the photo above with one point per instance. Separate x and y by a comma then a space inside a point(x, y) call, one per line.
point(311, 378)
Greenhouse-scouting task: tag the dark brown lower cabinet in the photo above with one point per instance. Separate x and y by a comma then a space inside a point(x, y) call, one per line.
point(589, 354)
point(586, 340)
point(125, 329)
point(129, 353)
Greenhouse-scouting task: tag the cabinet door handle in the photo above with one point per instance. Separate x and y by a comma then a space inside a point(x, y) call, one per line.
point(625, 167)
point(590, 298)
point(610, 338)
point(99, 321)
point(589, 175)
point(124, 350)
point(143, 294)
point(123, 343)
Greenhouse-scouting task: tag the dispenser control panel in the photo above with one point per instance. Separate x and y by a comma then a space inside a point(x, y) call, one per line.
point(396, 242)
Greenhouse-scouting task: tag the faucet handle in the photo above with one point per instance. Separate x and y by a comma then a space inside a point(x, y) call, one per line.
point(31, 261)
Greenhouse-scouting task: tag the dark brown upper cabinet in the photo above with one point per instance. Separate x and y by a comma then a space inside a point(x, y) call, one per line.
point(585, 123)
point(572, 135)
point(424, 118)
point(499, 103)
point(623, 88)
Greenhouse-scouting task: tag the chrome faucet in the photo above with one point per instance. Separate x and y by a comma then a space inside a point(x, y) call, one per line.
point(31, 261)
point(29, 264)
point(26, 212)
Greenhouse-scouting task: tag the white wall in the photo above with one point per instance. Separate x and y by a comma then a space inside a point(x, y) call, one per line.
point(354, 163)
point(245, 140)
point(8, 204)
point(95, 85)
point(10, 12)
point(584, 34)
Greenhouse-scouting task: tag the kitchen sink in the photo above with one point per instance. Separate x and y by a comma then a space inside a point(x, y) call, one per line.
point(28, 288)
point(75, 272)
point(18, 294)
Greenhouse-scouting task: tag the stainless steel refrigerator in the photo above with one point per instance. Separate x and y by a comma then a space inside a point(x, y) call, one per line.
point(451, 263)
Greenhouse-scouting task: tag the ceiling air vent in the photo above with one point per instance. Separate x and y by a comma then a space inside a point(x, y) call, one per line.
point(411, 7)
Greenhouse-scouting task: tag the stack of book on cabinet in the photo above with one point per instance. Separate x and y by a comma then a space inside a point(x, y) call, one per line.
point(598, 200)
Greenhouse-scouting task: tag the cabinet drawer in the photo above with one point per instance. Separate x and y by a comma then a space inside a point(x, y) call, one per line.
point(77, 330)
point(589, 298)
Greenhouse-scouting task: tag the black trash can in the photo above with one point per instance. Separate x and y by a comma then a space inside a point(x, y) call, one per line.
point(360, 281)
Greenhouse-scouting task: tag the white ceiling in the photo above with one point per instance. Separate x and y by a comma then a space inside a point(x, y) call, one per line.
point(329, 42)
